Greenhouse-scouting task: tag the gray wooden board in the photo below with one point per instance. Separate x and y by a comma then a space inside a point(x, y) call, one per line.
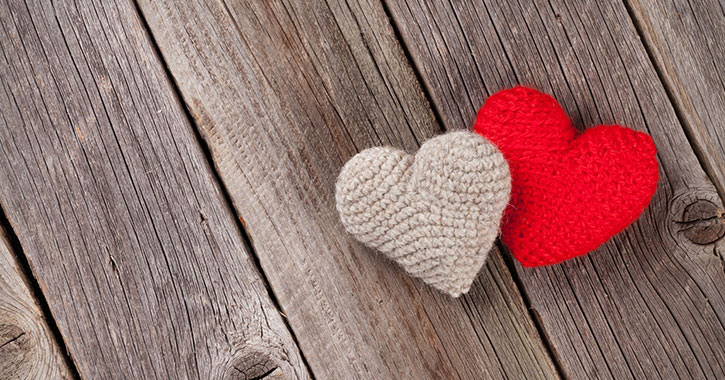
point(114, 203)
point(649, 303)
point(686, 42)
point(284, 93)
point(28, 349)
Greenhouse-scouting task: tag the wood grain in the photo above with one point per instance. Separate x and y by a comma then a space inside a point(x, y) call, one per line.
point(115, 205)
point(284, 93)
point(27, 347)
point(685, 40)
point(649, 303)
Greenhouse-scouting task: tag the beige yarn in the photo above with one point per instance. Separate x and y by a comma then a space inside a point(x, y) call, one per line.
point(436, 214)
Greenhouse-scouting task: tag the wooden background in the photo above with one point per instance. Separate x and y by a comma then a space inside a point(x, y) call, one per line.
point(167, 171)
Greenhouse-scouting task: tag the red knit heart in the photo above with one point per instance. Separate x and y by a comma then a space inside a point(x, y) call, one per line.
point(570, 191)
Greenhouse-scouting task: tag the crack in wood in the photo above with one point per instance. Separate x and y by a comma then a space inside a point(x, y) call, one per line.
point(254, 365)
point(703, 222)
point(119, 175)
point(12, 340)
point(259, 377)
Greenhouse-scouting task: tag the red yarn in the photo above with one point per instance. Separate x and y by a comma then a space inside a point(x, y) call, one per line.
point(570, 192)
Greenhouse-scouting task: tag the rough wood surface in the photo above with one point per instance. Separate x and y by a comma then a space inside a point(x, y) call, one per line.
point(28, 349)
point(114, 203)
point(284, 93)
point(685, 38)
point(649, 303)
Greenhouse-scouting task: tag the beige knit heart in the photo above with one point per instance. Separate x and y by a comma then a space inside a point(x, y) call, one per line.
point(436, 214)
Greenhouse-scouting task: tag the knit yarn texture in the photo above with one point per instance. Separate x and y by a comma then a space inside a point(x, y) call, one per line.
point(571, 191)
point(436, 214)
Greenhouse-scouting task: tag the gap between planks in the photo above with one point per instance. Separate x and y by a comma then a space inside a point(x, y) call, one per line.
point(66, 367)
point(537, 36)
point(677, 106)
point(231, 335)
point(510, 332)
point(507, 258)
point(223, 188)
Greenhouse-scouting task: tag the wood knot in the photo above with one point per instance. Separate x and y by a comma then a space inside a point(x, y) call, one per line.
point(253, 365)
point(702, 222)
point(256, 356)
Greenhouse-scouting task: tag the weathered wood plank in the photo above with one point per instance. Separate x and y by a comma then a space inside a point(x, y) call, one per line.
point(284, 92)
point(685, 39)
point(648, 304)
point(27, 347)
point(116, 207)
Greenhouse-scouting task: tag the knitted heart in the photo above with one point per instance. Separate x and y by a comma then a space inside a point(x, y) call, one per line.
point(436, 214)
point(571, 191)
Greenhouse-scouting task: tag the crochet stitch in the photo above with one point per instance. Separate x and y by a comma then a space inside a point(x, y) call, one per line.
point(571, 191)
point(436, 214)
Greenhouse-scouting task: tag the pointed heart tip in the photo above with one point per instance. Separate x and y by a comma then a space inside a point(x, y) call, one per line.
point(455, 292)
